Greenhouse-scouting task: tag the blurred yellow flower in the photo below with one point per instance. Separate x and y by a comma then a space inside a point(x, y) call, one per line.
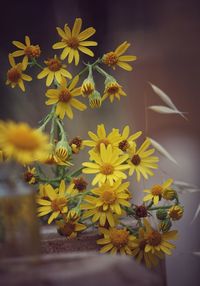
point(22, 143)
point(141, 161)
point(64, 99)
point(27, 50)
point(116, 58)
point(108, 165)
point(15, 75)
point(176, 212)
point(70, 227)
point(74, 41)
point(29, 175)
point(150, 259)
point(155, 193)
point(156, 241)
point(116, 241)
point(55, 70)
point(113, 90)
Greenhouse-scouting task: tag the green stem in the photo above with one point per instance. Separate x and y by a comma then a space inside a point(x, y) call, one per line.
point(77, 172)
point(34, 62)
point(63, 134)
point(101, 71)
point(157, 208)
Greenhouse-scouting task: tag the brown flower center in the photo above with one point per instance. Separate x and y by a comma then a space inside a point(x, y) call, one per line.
point(14, 75)
point(32, 51)
point(54, 64)
point(157, 190)
point(124, 145)
point(65, 95)
point(28, 176)
point(136, 160)
point(154, 238)
point(113, 88)
point(58, 204)
point(109, 197)
point(141, 211)
point(110, 59)
point(80, 184)
point(107, 169)
point(119, 237)
point(72, 42)
point(67, 229)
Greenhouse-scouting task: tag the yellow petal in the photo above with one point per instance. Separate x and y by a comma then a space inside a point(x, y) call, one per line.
point(77, 27)
point(59, 45)
point(86, 34)
point(19, 45)
point(125, 66)
point(127, 58)
point(86, 51)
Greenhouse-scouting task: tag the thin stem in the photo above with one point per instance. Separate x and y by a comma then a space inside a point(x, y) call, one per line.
point(77, 172)
point(157, 208)
point(63, 135)
point(101, 71)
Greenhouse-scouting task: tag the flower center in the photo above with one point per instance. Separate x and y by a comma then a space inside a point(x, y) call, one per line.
point(14, 74)
point(119, 237)
point(136, 160)
point(65, 95)
point(157, 190)
point(154, 238)
point(107, 169)
point(54, 64)
point(124, 145)
point(58, 204)
point(80, 184)
point(105, 141)
point(24, 140)
point(141, 211)
point(32, 51)
point(28, 176)
point(72, 42)
point(113, 88)
point(109, 197)
point(110, 59)
point(68, 229)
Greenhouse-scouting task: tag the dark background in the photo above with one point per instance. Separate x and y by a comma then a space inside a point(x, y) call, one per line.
point(165, 37)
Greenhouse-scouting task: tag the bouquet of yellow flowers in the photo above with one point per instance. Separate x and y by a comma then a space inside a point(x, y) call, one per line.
point(66, 198)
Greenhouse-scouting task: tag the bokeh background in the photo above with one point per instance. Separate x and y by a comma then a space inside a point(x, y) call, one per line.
point(165, 37)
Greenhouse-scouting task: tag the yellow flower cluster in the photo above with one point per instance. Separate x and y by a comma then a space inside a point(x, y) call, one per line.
point(63, 196)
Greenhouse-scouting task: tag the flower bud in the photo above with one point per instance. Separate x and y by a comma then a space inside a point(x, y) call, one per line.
point(161, 214)
point(169, 194)
point(95, 100)
point(63, 152)
point(88, 87)
point(165, 225)
point(176, 212)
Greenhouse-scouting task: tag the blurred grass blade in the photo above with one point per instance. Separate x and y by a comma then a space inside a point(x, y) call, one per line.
point(162, 151)
point(167, 100)
point(186, 187)
point(164, 109)
point(196, 214)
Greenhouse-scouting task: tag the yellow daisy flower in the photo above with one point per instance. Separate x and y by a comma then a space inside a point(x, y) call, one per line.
point(127, 142)
point(113, 138)
point(116, 241)
point(64, 99)
point(150, 259)
point(27, 50)
point(113, 90)
point(74, 41)
point(43, 191)
point(70, 227)
point(55, 204)
point(155, 193)
point(54, 70)
point(108, 165)
point(141, 161)
point(107, 200)
point(156, 241)
point(15, 75)
point(22, 143)
point(29, 176)
point(116, 58)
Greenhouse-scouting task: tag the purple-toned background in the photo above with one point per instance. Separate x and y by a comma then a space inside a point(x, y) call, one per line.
point(165, 37)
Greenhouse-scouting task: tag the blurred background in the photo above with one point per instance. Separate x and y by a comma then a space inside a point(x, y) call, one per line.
point(165, 37)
